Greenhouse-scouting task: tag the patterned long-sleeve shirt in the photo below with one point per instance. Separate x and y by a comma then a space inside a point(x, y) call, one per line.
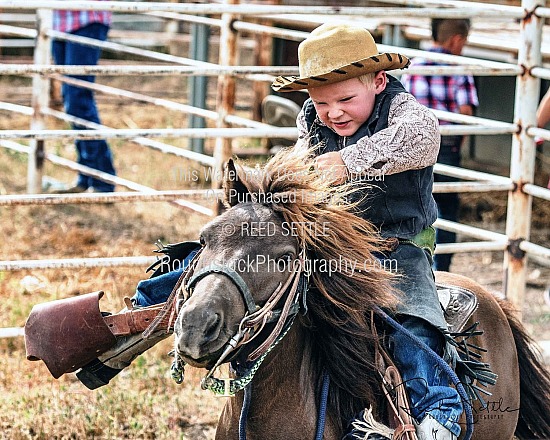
point(410, 141)
point(69, 21)
point(441, 92)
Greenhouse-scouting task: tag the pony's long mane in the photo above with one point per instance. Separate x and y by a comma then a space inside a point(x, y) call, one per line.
point(339, 301)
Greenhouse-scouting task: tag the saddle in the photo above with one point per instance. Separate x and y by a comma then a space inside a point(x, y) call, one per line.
point(69, 333)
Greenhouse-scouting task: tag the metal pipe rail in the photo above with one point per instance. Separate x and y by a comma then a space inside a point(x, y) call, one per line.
point(12, 332)
point(268, 132)
point(6, 29)
point(453, 9)
point(470, 187)
point(200, 158)
point(473, 246)
point(16, 108)
point(121, 93)
point(453, 130)
point(215, 22)
point(113, 70)
point(536, 191)
point(172, 105)
point(272, 132)
point(117, 70)
point(123, 133)
point(499, 241)
point(540, 72)
point(471, 231)
point(542, 12)
point(121, 48)
point(539, 132)
point(475, 120)
point(500, 10)
point(156, 145)
point(76, 263)
point(534, 249)
point(463, 173)
point(160, 146)
point(121, 196)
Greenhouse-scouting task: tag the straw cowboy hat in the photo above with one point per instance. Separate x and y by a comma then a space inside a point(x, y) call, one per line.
point(337, 52)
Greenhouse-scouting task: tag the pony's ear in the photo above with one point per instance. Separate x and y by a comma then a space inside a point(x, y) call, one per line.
point(235, 191)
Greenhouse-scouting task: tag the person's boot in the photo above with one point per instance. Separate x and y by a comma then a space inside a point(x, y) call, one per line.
point(431, 429)
point(101, 370)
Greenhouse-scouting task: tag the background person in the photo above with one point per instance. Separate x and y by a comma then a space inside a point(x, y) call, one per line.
point(80, 102)
point(456, 94)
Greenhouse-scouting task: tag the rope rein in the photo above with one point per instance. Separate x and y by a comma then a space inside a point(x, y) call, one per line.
point(444, 366)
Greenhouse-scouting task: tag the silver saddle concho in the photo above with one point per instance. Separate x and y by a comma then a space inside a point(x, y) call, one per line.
point(458, 304)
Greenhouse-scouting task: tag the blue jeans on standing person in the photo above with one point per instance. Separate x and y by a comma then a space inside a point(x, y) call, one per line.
point(447, 203)
point(80, 102)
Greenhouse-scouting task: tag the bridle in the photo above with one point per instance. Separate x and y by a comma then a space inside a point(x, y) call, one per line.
point(251, 325)
point(253, 322)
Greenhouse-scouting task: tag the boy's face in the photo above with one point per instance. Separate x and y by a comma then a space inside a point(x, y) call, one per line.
point(345, 106)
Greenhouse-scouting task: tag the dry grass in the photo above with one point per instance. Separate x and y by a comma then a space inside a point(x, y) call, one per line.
point(142, 402)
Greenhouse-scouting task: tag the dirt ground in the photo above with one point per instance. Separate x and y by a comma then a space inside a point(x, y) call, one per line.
point(144, 403)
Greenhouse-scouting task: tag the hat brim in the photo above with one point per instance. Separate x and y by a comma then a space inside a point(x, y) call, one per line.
point(376, 63)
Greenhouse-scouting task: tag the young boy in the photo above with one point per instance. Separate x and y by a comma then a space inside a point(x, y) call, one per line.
point(366, 127)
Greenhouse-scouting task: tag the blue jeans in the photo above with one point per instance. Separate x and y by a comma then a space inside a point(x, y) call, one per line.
point(427, 385)
point(421, 314)
point(80, 103)
point(157, 290)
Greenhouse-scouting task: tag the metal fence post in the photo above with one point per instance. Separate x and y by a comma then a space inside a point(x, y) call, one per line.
point(40, 100)
point(522, 164)
point(225, 94)
point(200, 42)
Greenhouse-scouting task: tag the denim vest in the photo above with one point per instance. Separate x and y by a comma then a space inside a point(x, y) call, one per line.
point(400, 205)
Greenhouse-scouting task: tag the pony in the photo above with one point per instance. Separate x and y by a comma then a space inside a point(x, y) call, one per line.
point(276, 291)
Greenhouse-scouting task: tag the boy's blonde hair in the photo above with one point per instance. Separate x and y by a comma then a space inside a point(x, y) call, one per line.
point(368, 79)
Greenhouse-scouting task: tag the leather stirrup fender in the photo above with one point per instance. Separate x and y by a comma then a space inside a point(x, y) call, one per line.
point(67, 334)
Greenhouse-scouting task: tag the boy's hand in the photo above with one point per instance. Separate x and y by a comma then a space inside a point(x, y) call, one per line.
point(332, 166)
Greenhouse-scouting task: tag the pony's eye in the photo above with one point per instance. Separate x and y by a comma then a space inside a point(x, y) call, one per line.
point(202, 241)
point(284, 261)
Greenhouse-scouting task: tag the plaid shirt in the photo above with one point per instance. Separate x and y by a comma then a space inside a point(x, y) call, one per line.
point(69, 21)
point(438, 92)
